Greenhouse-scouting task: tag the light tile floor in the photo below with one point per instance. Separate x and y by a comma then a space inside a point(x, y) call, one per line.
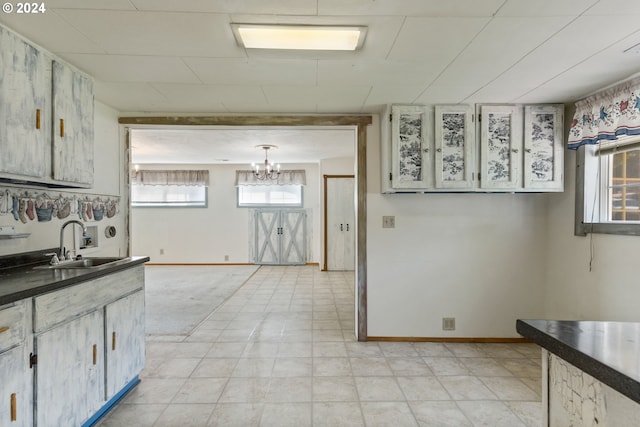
point(282, 352)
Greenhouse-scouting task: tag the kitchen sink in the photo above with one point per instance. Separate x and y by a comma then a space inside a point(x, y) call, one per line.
point(89, 262)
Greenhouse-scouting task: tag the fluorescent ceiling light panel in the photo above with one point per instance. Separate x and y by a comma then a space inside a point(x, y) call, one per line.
point(299, 37)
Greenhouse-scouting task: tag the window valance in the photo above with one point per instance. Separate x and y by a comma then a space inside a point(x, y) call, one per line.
point(607, 115)
point(171, 177)
point(286, 177)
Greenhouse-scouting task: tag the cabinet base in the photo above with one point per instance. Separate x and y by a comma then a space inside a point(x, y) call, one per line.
point(111, 403)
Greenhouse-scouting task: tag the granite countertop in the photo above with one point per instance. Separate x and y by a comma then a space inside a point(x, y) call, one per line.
point(608, 351)
point(18, 283)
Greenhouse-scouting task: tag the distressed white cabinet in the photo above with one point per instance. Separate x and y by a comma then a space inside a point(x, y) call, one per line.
point(411, 148)
point(70, 371)
point(454, 147)
point(125, 351)
point(521, 148)
point(46, 117)
point(543, 147)
point(72, 114)
point(500, 147)
point(25, 99)
point(16, 378)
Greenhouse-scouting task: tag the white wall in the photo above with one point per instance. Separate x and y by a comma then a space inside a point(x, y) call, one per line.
point(609, 291)
point(108, 161)
point(202, 236)
point(480, 258)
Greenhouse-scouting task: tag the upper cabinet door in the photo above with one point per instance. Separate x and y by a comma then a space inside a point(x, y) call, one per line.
point(72, 126)
point(454, 140)
point(411, 157)
point(501, 147)
point(543, 147)
point(25, 96)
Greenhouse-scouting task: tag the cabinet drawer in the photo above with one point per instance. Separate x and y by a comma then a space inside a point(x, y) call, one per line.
point(65, 304)
point(13, 324)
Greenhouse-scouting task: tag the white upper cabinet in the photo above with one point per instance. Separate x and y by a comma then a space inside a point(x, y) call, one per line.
point(449, 148)
point(543, 147)
point(72, 125)
point(454, 146)
point(411, 148)
point(25, 99)
point(500, 147)
point(46, 117)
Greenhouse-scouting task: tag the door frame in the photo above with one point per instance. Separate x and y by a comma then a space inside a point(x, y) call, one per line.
point(325, 213)
point(359, 122)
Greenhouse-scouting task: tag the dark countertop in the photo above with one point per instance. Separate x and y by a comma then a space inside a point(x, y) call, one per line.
point(19, 283)
point(608, 351)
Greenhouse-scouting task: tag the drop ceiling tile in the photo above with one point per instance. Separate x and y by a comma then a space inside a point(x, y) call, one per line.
point(336, 99)
point(284, 7)
point(375, 73)
point(50, 31)
point(567, 49)
point(435, 40)
point(236, 71)
point(491, 53)
point(545, 7)
point(409, 7)
point(614, 7)
point(130, 96)
point(128, 68)
point(382, 95)
point(156, 33)
point(90, 4)
point(212, 98)
point(446, 94)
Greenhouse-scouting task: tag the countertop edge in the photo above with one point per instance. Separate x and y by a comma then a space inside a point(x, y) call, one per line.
point(63, 283)
point(618, 381)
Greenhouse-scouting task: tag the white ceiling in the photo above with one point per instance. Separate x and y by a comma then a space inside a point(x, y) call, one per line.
point(169, 56)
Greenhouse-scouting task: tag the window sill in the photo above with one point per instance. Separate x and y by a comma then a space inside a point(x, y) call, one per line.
point(584, 228)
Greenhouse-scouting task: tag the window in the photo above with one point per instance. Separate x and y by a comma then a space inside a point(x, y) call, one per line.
point(610, 187)
point(169, 188)
point(169, 196)
point(270, 195)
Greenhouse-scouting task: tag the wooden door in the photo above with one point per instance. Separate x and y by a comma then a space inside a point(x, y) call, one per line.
point(340, 223)
point(267, 232)
point(16, 388)
point(293, 237)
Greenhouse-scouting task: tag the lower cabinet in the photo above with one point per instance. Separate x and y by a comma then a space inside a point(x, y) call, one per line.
point(16, 388)
point(16, 378)
point(70, 371)
point(125, 351)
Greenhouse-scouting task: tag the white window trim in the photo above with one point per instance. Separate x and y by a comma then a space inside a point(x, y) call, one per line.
point(587, 159)
point(269, 205)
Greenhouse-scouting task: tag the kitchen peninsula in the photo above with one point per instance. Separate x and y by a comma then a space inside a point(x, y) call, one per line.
point(590, 369)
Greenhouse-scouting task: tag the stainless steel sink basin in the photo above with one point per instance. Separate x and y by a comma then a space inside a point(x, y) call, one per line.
point(91, 262)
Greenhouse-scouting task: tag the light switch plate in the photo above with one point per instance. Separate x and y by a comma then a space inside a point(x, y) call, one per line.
point(388, 222)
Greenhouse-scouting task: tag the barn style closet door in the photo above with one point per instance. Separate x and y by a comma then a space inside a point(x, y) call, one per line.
point(280, 236)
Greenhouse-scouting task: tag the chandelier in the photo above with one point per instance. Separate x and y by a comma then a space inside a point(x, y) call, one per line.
point(269, 171)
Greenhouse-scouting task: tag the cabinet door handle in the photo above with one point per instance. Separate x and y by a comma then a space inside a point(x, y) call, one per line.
point(4, 329)
point(14, 407)
point(95, 354)
point(38, 119)
point(439, 150)
point(528, 150)
point(113, 341)
point(341, 227)
point(61, 128)
point(347, 227)
point(515, 150)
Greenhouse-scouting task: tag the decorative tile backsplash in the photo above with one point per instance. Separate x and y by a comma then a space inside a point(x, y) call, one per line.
point(42, 206)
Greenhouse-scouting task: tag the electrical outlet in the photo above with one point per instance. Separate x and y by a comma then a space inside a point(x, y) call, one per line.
point(226, 257)
point(388, 222)
point(448, 323)
point(161, 251)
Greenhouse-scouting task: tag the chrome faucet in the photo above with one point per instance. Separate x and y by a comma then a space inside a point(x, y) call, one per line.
point(63, 256)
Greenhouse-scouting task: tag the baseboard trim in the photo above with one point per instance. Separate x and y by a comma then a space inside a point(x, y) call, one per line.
point(451, 339)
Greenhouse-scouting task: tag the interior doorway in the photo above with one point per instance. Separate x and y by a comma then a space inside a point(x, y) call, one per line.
point(358, 122)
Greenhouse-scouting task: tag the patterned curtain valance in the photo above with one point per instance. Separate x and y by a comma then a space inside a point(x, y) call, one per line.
point(286, 177)
point(171, 177)
point(606, 115)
